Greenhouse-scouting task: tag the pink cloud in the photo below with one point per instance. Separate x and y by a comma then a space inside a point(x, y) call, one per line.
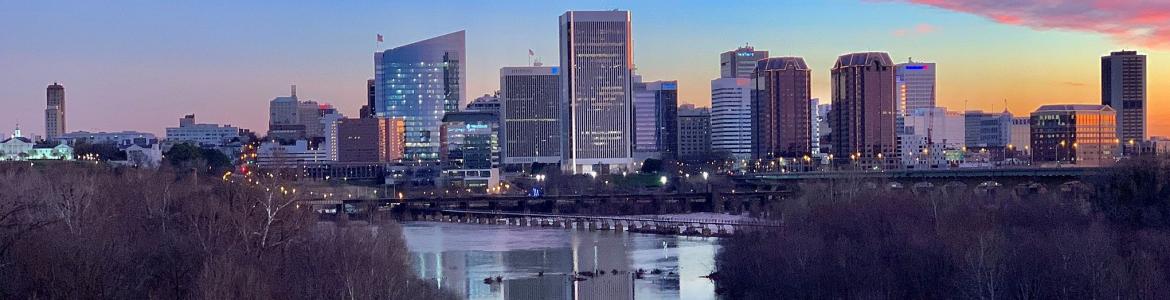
point(920, 29)
point(1131, 22)
point(924, 28)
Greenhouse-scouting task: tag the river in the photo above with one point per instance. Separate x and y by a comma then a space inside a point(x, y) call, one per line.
point(540, 263)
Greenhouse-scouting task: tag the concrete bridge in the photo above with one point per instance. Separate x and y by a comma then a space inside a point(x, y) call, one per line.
point(755, 204)
point(645, 224)
point(1018, 180)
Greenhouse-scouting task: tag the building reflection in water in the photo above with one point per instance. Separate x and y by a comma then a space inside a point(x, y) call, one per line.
point(559, 264)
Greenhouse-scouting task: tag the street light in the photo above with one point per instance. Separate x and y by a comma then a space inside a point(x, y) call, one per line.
point(662, 180)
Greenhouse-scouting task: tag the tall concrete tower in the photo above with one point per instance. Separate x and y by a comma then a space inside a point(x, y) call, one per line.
point(597, 62)
point(1123, 87)
point(55, 112)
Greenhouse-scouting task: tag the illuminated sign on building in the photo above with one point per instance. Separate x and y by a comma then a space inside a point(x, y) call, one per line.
point(745, 54)
point(920, 67)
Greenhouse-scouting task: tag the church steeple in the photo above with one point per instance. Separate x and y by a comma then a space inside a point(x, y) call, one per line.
point(16, 132)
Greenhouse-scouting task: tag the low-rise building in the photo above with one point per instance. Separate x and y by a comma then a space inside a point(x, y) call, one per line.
point(20, 148)
point(205, 135)
point(147, 157)
point(470, 150)
point(1075, 134)
point(273, 154)
point(366, 140)
point(122, 139)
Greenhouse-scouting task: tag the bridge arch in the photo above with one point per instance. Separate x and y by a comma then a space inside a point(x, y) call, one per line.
point(954, 187)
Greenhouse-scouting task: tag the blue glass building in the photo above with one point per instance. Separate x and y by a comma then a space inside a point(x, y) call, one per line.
point(418, 83)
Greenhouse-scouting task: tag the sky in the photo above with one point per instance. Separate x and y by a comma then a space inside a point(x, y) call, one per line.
point(141, 65)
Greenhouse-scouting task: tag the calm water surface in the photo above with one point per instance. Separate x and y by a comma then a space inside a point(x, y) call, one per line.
point(459, 256)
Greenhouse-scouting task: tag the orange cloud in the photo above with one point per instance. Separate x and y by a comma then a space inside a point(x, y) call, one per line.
point(1138, 22)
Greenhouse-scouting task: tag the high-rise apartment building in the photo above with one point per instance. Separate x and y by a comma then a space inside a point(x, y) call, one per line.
point(864, 108)
point(731, 117)
point(740, 63)
point(781, 113)
point(530, 99)
point(54, 111)
point(597, 64)
point(419, 83)
point(1123, 87)
point(1075, 134)
point(655, 132)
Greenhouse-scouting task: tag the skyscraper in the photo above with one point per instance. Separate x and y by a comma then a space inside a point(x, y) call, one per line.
point(420, 82)
point(781, 114)
point(55, 111)
point(916, 86)
point(731, 116)
point(655, 119)
point(597, 61)
point(862, 118)
point(1123, 87)
point(740, 63)
point(530, 99)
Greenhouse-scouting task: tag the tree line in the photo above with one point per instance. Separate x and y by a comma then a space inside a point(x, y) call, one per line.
point(1112, 242)
point(75, 230)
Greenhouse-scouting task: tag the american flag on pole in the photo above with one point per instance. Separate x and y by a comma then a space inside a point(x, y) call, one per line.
point(379, 37)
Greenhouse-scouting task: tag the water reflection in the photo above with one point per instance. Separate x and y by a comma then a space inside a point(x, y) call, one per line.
point(534, 263)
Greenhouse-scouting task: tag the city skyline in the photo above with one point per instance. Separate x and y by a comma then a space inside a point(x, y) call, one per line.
point(189, 63)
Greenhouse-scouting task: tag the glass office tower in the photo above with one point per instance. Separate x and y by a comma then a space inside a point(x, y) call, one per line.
point(419, 83)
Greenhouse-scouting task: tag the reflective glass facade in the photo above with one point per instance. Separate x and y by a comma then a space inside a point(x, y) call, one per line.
point(419, 83)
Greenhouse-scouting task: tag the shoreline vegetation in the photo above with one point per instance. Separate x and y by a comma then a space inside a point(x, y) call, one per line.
point(1109, 239)
point(76, 231)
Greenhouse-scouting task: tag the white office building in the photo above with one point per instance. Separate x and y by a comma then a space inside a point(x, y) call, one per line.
point(929, 135)
point(211, 135)
point(597, 64)
point(731, 116)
